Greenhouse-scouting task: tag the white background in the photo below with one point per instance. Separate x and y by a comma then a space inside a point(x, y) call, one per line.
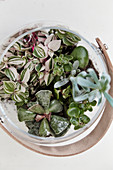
point(91, 19)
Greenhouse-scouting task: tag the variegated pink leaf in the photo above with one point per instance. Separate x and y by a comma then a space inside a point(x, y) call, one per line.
point(54, 45)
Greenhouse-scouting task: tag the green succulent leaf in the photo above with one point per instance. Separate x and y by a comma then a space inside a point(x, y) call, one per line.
point(74, 121)
point(66, 92)
point(78, 127)
point(80, 53)
point(25, 115)
point(39, 52)
point(68, 67)
point(61, 83)
point(33, 127)
point(43, 97)
point(56, 93)
point(36, 108)
point(73, 112)
point(73, 104)
point(55, 106)
point(84, 118)
point(59, 125)
point(44, 129)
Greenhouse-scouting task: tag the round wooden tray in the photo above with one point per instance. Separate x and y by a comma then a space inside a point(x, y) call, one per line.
point(88, 141)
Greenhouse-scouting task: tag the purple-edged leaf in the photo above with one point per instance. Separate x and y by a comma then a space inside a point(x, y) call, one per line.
point(9, 74)
point(16, 60)
point(25, 75)
point(9, 87)
point(39, 52)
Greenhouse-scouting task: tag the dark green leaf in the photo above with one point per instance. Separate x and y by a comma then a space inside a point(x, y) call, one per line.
point(78, 127)
point(73, 112)
point(44, 129)
point(73, 104)
point(59, 125)
point(55, 106)
point(74, 121)
point(33, 127)
point(80, 53)
point(68, 67)
point(43, 97)
point(84, 118)
point(25, 115)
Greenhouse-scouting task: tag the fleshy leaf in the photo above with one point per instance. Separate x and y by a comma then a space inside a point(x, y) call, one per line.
point(55, 106)
point(80, 53)
point(86, 83)
point(59, 125)
point(84, 118)
point(36, 108)
point(61, 83)
point(73, 112)
point(109, 98)
point(25, 115)
point(44, 129)
point(43, 97)
point(33, 127)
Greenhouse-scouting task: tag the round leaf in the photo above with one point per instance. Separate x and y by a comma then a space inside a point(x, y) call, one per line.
point(80, 53)
point(73, 112)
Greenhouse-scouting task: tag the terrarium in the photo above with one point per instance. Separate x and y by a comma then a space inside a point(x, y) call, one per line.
point(53, 88)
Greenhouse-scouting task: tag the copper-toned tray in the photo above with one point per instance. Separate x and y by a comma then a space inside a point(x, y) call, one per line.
point(88, 141)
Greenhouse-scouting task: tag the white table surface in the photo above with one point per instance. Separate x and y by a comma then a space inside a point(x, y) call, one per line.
point(90, 19)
